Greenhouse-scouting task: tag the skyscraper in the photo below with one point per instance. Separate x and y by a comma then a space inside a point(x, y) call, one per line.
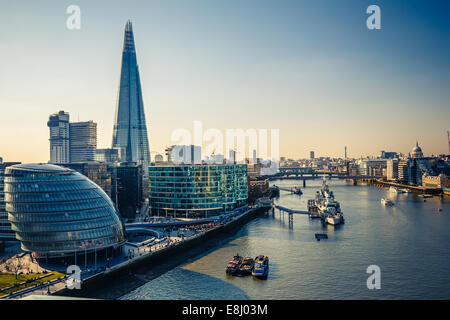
point(59, 137)
point(83, 141)
point(130, 130)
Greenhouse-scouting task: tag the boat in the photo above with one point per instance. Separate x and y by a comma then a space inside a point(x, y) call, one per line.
point(395, 190)
point(386, 202)
point(264, 202)
point(334, 219)
point(329, 209)
point(261, 267)
point(246, 267)
point(297, 190)
point(427, 196)
point(406, 190)
point(233, 265)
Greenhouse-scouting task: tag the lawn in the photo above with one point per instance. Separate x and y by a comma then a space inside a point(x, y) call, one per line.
point(7, 279)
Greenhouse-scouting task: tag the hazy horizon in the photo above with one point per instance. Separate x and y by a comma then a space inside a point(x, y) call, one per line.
point(310, 69)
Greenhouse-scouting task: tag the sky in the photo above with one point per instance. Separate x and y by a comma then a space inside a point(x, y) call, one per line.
point(311, 69)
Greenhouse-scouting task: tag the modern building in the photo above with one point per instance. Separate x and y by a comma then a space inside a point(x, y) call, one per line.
point(130, 189)
point(59, 137)
point(108, 155)
point(417, 167)
point(5, 226)
point(311, 154)
point(403, 170)
point(83, 141)
point(392, 169)
point(96, 172)
point(59, 213)
point(130, 129)
point(197, 190)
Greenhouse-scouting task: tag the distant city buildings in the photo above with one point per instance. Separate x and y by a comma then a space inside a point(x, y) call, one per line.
point(71, 141)
point(388, 155)
point(311, 155)
point(392, 169)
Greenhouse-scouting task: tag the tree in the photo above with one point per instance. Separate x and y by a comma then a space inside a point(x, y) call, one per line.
point(14, 265)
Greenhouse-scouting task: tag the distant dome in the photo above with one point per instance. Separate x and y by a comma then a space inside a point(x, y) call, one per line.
point(417, 151)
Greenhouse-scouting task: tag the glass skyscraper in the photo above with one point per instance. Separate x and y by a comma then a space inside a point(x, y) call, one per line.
point(130, 130)
point(197, 190)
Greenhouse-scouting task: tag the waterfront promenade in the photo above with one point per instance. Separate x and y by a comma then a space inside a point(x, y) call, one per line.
point(133, 253)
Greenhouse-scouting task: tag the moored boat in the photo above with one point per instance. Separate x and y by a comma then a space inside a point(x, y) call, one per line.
point(261, 267)
point(233, 265)
point(246, 267)
point(395, 190)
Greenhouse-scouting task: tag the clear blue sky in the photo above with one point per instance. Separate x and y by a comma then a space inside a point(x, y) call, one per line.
point(309, 68)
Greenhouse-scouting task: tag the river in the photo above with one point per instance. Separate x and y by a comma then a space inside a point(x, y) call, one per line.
point(409, 242)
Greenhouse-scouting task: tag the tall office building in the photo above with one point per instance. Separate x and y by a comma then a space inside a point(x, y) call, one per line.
point(130, 130)
point(83, 141)
point(392, 169)
point(311, 154)
point(59, 137)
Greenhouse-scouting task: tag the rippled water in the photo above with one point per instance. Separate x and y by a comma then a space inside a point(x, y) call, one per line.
point(410, 242)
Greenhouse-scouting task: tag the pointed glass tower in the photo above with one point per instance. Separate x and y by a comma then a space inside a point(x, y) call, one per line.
point(130, 130)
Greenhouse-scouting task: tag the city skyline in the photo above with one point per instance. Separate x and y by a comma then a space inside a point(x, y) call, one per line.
point(362, 89)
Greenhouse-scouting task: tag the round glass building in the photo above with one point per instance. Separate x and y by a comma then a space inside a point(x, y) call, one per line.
point(56, 212)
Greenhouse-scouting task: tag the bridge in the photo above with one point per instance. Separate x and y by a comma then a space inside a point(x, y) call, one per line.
point(290, 211)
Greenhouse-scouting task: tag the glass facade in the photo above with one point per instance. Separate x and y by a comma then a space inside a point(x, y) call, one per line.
point(197, 190)
point(56, 211)
point(130, 130)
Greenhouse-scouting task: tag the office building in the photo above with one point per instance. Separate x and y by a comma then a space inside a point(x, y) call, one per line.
point(59, 137)
point(130, 129)
point(130, 189)
point(97, 173)
point(197, 190)
point(83, 141)
point(392, 169)
point(311, 154)
point(107, 155)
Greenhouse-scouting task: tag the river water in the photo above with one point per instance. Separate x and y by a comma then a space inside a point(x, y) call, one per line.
point(410, 243)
